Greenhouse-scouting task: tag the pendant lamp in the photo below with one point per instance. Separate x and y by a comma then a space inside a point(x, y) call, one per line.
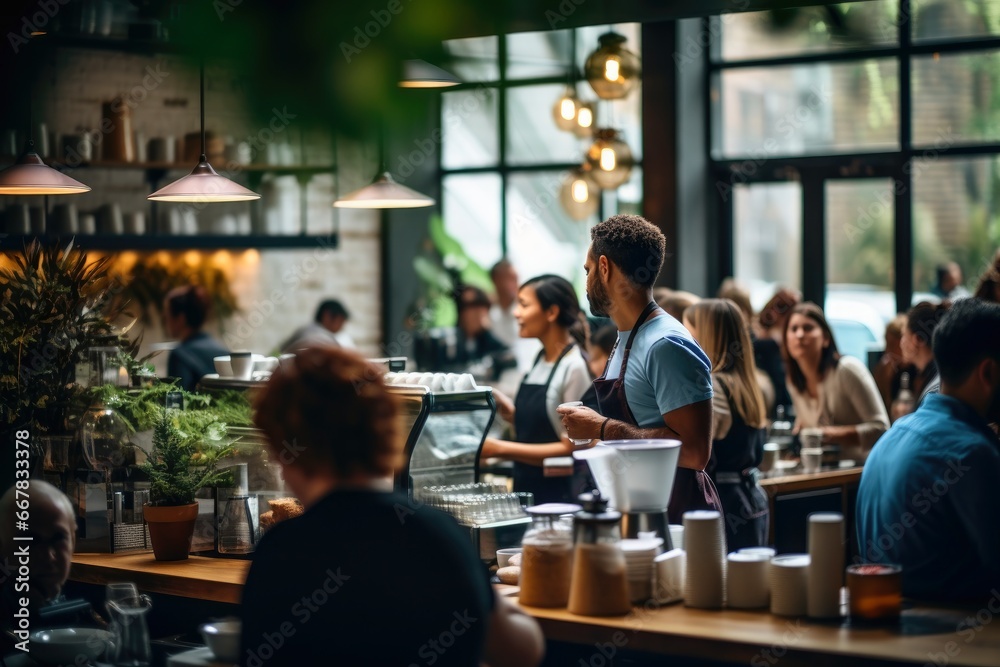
point(384, 192)
point(422, 74)
point(203, 185)
point(31, 176)
point(610, 159)
point(565, 109)
point(583, 126)
point(579, 194)
point(611, 70)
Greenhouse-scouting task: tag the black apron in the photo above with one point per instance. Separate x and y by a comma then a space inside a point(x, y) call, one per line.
point(733, 468)
point(693, 489)
point(532, 425)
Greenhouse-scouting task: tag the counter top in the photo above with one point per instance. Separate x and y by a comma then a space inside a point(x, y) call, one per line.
point(216, 579)
point(926, 635)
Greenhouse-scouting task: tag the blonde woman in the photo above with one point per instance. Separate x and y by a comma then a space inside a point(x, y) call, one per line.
point(739, 418)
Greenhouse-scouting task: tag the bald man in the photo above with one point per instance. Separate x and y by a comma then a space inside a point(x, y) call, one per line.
point(52, 527)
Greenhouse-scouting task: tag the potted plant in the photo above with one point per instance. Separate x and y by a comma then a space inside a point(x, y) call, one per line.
point(177, 470)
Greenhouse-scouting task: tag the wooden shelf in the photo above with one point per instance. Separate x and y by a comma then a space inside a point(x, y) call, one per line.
point(149, 242)
point(260, 168)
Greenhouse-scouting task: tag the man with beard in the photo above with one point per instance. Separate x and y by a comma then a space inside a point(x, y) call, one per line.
point(657, 383)
point(927, 499)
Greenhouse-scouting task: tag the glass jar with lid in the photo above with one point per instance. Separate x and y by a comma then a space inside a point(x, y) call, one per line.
point(600, 579)
point(547, 556)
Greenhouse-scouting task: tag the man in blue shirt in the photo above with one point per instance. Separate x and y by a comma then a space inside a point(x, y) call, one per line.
point(928, 498)
point(658, 381)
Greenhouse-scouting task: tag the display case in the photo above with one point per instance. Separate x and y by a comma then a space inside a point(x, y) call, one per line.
point(445, 432)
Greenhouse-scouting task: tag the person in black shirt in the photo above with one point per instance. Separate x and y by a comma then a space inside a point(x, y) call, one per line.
point(364, 574)
point(185, 310)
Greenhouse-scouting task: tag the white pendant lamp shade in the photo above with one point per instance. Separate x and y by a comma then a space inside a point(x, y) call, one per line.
point(384, 192)
point(203, 186)
point(422, 74)
point(31, 176)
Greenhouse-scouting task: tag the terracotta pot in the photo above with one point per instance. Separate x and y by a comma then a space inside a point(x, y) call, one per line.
point(171, 530)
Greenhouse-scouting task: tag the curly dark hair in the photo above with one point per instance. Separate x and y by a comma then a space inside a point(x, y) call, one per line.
point(633, 244)
point(328, 408)
point(967, 334)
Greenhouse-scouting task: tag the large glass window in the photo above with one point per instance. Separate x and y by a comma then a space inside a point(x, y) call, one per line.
point(504, 161)
point(767, 238)
point(798, 30)
point(808, 109)
point(808, 103)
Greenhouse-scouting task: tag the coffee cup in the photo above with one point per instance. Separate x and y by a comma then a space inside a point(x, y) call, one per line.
point(811, 458)
point(242, 364)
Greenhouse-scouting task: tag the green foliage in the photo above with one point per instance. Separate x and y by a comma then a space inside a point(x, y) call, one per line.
point(54, 305)
point(176, 469)
point(440, 271)
point(204, 421)
point(149, 280)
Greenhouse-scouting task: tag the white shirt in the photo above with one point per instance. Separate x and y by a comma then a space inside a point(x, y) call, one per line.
point(570, 382)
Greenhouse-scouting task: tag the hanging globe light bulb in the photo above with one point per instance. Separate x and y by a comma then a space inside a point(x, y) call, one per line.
point(565, 110)
point(583, 126)
point(579, 194)
point(612, 70)
point(610, 159)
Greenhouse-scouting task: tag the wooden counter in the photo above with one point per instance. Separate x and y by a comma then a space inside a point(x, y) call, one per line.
point(215, 579)
point(934, 636)
point(927, 635)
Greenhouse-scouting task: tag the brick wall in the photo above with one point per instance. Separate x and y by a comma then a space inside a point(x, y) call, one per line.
point(277, 290)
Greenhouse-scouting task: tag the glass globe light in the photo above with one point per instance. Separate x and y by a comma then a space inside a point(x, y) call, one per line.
point(579, 194)
point(610, 159)
point(612, 70)
point(583, 126)
point(565, 110)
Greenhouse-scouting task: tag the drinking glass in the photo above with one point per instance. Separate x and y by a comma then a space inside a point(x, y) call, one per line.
point(577, 442)
point(128, 611)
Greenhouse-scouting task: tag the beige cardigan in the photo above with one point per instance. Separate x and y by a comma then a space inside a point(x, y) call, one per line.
point(848, 396)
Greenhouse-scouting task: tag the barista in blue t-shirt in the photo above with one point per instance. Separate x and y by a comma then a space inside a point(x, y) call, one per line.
point(658, 381)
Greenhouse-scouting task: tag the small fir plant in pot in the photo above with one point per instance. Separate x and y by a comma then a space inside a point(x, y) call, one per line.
point(177, 471)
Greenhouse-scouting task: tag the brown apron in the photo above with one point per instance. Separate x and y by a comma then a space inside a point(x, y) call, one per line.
point(693, 489)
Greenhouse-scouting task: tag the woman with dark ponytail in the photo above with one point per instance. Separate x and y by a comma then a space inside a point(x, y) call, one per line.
point(547, 309)
point(185, 310)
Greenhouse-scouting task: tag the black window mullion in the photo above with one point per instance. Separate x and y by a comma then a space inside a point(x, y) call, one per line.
point(903, 219)
point(502, 140)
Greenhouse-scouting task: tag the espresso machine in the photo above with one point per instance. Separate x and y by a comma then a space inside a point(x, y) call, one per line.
point(637, 477)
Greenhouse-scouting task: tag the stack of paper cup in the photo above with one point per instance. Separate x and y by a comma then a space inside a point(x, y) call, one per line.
point(639, 555)
point(705, 571)
point(676, 536)
point(826, 566)
point(669, 571)
point(746, 580)
point(789, 575)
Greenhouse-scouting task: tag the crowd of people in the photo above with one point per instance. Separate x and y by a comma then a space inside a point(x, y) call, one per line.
point(709, 375)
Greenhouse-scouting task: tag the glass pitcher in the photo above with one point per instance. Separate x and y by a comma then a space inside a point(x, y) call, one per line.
point(547, 556)
point(600, 579)
point(128, 612)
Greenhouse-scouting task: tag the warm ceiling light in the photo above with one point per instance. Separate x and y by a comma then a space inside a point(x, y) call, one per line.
point(203, 185)
point(611, 70)
point(584, 126)
point(384, 192)
point(579, 194)
point(31, 176)
point(422, 74)
point(565, 110)
point(610, 159)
